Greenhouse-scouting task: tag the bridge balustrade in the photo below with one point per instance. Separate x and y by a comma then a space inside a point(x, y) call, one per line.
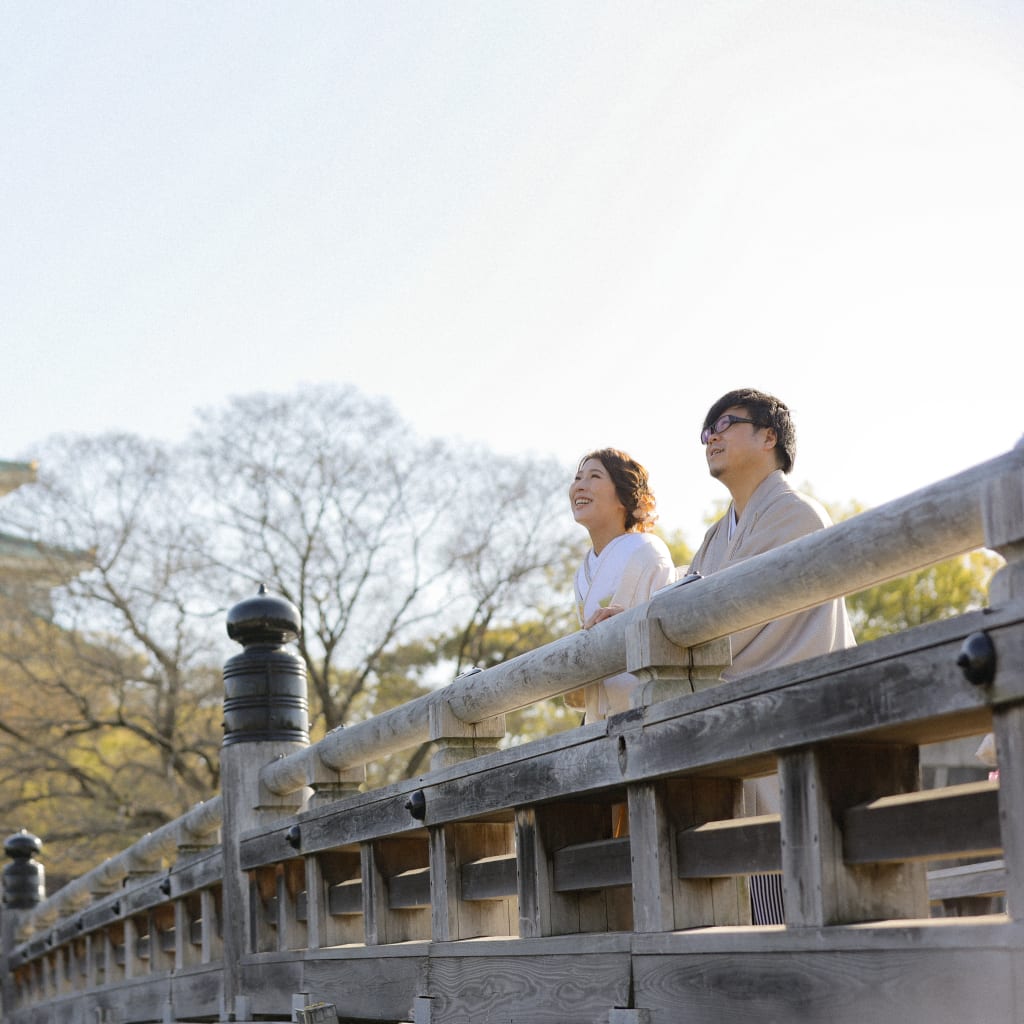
point(602, 874)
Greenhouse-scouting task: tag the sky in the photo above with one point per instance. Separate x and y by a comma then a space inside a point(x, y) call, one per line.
point(546, 226)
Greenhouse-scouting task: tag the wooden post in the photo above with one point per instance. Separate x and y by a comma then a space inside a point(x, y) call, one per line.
point(291, 885)
point(459, 741)
point(817, 784)
point(1003, 510)
point(24, 887)
point(382, 861)
point(210, 903)
point(667, 669)
point(324, 871)
point(451, 848)
point(186, 953)
point(1003, 513)
point(662, 901)
point(541, 832)
point(1009, 731)
point(265, 717)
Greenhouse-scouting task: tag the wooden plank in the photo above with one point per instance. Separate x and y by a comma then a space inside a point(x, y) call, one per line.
point(346, 897)
point(543, 910)
point(197, 992)
point(380, 983)
point(212, 917)
point(409, 889)
point(292, 926)
point(338, 903)
point(955, 821)
point(534, 885)
point(1009, 731)
point(489, 878)
point(665, 894)
point(817, 785)
point(595, 865)
point(741, 846)
point(198, 872)
point(652, 866)
point(567, 989)
point(884, 985)
point(453, 848)
point(986, 878)
point(382, 862)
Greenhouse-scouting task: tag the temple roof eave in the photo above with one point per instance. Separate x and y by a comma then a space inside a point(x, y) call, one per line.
point(22, 557)
point(14, 474)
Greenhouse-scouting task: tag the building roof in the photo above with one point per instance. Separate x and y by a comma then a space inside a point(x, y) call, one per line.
point(14, 474)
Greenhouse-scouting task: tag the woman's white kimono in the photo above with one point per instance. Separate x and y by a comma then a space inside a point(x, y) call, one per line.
point(627, 572)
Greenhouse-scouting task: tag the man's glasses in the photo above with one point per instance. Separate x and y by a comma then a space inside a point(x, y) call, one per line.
point(722, 424)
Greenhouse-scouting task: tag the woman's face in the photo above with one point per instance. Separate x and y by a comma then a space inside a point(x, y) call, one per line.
point(594, 501)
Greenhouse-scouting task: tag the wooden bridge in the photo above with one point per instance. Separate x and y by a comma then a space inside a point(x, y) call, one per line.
point(492, 889)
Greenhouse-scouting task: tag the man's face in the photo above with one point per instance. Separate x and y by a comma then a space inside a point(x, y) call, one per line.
point(740, 449)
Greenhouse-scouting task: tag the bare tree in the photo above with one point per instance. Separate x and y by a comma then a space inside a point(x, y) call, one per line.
point(111, 701)
point(376, 535)
point(389, 544)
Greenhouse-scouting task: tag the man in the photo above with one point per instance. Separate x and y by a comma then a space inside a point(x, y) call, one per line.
point(750, 445)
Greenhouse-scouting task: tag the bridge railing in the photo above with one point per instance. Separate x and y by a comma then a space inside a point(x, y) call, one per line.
point(521, 843)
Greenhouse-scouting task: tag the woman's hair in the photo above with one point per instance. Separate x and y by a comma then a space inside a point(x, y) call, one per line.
point(631, 487)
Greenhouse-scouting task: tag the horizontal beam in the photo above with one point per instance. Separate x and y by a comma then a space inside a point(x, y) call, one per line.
point(739, 846)
point(917, 826)
point(943, 520)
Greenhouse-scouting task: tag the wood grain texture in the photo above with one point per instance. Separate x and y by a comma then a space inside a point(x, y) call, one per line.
point(944, 987)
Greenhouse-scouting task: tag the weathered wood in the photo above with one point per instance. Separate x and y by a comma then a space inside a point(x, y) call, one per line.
point(383, 861)
point(916, 826)
point(984, 878)
point(906, 986)
point(409, 889)
point(734, 727)
point(666, 894)
point(211, 904)
point(262, 915)
point(741, 846)
point(197, 873)
point(817, 785)
point(373, 983)
point(489, 878)
point(588, 866)
point(346, 897)
point(1003, 511)
point(334, 898)
point(197, 993)
point(291, 886)
point(541, 833)
point(1009, 731)
point(454, 849)
point(519, 987)
point(457, 741)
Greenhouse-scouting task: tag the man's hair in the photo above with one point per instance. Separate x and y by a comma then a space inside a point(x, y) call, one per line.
point(631, 487)
point(766, 411)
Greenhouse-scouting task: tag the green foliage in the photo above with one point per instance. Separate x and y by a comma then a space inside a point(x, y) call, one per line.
point(86, 753)
point(929, 595)
point(939, 592)
point(681, 551)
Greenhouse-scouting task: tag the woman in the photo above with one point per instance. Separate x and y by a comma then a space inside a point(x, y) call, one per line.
point(611, 497)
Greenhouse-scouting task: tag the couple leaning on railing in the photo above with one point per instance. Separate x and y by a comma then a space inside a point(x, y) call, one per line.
point(750, 445)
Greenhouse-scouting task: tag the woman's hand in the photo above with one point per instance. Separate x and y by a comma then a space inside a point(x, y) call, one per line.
point(603, 613)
